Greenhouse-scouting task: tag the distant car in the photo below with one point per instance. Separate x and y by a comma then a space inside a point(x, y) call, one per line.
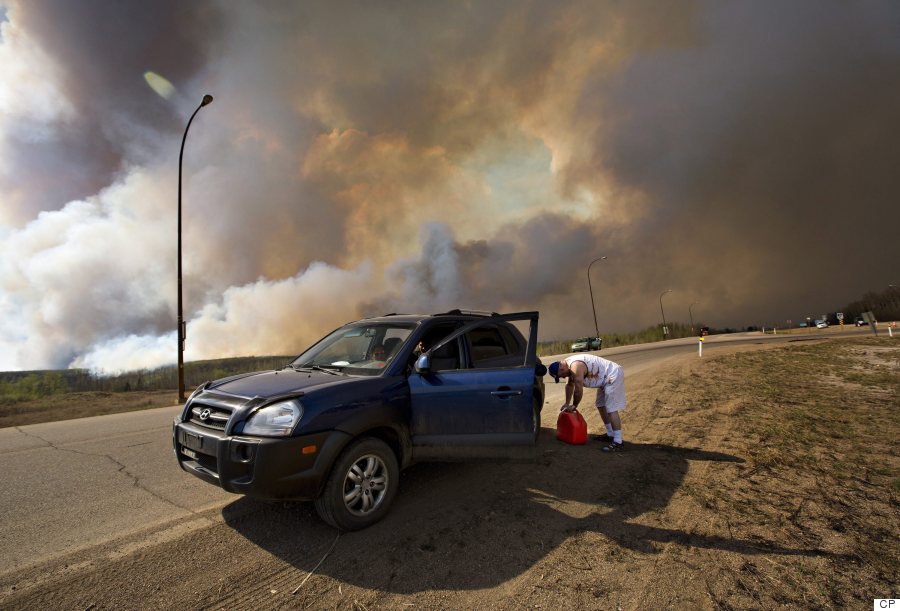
point(587, 343)
point(803, 325)
point(821, 324)
point(860, 321)
point(704, 331)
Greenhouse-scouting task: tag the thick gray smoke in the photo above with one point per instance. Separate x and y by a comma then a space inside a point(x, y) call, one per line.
point(360, 159)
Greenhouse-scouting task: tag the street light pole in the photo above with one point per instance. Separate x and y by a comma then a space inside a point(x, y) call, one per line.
point(665, 330)
point(593, 309)
point(181, 330)
point(691, 315)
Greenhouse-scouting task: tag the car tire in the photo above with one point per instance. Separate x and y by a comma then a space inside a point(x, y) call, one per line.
point(361, 486)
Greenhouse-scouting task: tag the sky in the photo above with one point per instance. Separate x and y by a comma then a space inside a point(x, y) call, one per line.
point(369, 157)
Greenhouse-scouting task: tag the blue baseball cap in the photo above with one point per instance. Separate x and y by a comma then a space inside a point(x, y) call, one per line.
point(554, 370)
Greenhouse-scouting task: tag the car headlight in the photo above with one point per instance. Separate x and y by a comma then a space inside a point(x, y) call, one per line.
point(276, 420)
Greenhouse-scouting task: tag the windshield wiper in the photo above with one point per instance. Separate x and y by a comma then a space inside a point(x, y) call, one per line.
point(308, 368)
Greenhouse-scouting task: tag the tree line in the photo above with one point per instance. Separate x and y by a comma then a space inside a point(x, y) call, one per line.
point(885, 305)
point(16, 386)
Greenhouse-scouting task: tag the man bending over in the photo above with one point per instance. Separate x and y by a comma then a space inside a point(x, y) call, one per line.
point(609, 380)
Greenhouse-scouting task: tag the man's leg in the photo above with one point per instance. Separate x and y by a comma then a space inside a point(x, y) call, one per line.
point(616, 423)
point(614, 399)
point(601, 407)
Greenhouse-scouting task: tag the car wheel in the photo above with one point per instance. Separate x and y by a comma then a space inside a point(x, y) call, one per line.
point(361, 486)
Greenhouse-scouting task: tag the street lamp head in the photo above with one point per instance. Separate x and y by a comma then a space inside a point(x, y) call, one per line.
point(207, 99)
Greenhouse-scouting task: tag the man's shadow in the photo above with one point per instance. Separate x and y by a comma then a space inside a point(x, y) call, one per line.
point(471, 526)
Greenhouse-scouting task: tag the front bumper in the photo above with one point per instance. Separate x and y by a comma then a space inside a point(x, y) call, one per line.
point(260, 467)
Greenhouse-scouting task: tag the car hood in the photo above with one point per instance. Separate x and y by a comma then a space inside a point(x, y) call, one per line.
point(276, 383)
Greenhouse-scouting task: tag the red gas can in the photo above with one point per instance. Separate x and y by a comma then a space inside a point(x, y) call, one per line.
point(571, 428)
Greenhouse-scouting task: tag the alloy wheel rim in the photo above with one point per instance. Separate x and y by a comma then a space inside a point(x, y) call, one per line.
point(365, 485)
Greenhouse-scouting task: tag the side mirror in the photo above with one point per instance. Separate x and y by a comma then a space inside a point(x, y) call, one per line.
point(423, 364)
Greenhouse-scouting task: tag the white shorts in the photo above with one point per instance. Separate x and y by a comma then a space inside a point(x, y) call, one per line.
point(612, 395)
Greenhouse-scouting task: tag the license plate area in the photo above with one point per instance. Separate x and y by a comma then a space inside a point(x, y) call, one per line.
point(191, 441)
point(189, 453)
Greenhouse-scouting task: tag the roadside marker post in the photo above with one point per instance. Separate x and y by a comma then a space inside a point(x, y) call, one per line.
point(700, 345)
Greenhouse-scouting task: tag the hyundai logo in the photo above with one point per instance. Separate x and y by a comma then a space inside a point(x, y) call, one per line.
point(205, 414)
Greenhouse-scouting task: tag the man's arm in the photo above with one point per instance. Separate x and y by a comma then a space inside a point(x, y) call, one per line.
point(576, 380)
point(578, 390)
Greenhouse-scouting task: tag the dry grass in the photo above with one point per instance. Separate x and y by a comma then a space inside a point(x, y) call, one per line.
point(66, 406)
point(820, 424)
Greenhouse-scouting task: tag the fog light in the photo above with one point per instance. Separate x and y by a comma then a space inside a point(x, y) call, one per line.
point(245, 453)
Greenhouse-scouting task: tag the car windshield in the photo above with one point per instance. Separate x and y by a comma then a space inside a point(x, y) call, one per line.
point(359, 349)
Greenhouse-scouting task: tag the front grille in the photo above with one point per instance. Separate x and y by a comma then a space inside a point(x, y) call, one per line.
point(208, 463)
point(210, 413)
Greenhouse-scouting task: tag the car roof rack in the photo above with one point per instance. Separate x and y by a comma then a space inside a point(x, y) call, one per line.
point(461, 312)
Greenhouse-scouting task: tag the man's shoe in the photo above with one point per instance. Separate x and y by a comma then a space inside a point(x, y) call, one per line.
point(604, 437)
point(614, 447)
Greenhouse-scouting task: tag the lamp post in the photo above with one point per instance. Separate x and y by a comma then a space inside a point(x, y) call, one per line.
point(665, 329)
point(691, 315)
point(593, 309)
point(181, 330)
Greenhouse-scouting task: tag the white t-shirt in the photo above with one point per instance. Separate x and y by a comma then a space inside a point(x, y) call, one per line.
point(599, 370)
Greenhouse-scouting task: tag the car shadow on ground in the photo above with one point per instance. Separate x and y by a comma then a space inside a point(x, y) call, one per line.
point(470, 526)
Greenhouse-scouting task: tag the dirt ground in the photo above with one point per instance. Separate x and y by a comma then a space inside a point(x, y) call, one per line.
point(763, 478)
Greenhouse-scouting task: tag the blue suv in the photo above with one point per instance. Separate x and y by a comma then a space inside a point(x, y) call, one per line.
point(338, 423)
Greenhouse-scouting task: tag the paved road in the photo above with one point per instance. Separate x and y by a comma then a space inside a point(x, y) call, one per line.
point(641, 356)
point(74, 484)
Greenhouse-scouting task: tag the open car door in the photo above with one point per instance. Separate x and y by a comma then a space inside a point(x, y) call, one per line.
point(482, 403)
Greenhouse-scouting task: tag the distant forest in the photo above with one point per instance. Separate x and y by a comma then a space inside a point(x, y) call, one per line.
point(18, 386)
point(884, 305)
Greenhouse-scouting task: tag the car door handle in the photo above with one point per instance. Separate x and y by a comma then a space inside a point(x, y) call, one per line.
point(506, 393)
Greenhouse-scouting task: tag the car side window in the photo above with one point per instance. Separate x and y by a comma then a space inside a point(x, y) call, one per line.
point(446, 357)
point(493, 346)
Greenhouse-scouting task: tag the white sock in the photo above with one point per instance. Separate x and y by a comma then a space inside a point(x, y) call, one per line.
point(617, 436)
point(609, 430)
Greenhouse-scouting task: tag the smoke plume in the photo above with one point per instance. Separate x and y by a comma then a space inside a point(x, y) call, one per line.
point(362, 159)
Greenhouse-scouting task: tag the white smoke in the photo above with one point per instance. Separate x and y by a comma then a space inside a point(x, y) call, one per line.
point(263, 318)
point(86, 274)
